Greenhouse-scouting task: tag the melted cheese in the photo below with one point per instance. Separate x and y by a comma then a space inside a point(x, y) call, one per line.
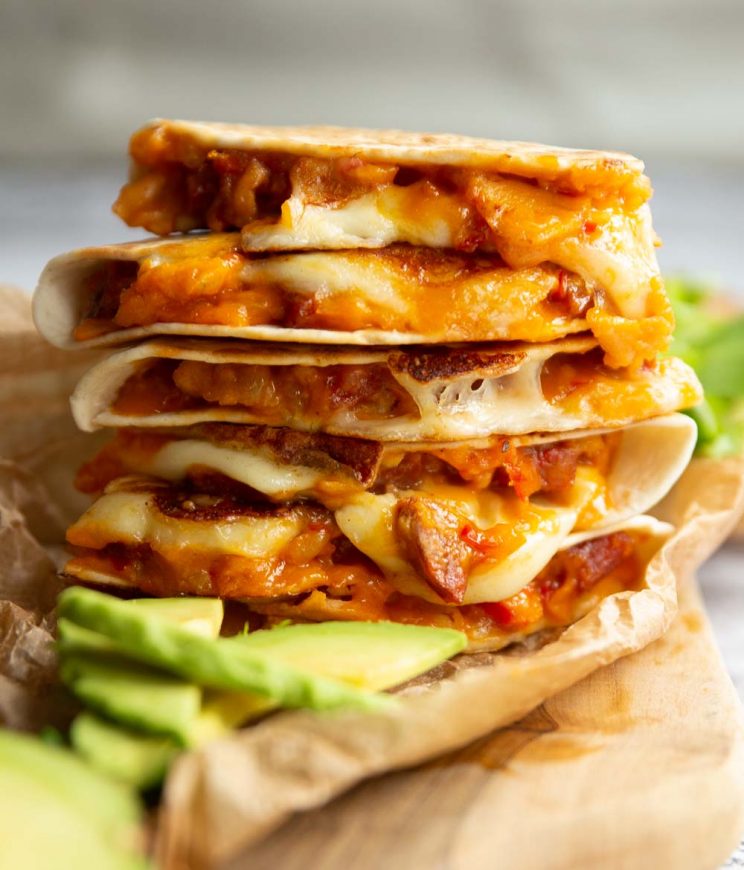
point(500, 580)
point(250, 467)
point(332, 274)
point(373, 220)
point(133, 518)
point(368, 521)
point(618, 253)
point(620, 257)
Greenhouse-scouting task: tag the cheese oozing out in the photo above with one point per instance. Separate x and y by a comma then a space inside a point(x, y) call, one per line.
point(276, 479)
point(369, 522)
point(554, 387)
point(615, 251)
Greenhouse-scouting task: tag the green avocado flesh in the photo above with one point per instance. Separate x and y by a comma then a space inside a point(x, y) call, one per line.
point(215, 663)
point(369, 655)
point(158, 677)
point(201, 616)
point(147, 699)
point(139, 760)
point(223, 711)
point(55, 811)
point(133, 694)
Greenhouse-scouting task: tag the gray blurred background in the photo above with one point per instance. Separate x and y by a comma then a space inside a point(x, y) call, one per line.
point(663, 79)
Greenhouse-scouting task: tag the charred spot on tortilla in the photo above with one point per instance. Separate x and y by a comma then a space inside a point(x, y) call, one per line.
point(199, 507)
point(446, 363)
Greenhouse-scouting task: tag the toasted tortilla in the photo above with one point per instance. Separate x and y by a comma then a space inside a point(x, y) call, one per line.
point(205, 285)
point(580, 168)
point(449, 393)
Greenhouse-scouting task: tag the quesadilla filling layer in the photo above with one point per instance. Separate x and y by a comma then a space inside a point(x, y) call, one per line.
point(430, 294)
point(283, 465)
point(597, 230)
point(564, 390)
point(296, 560)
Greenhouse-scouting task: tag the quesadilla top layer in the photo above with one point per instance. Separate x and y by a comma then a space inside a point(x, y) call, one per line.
point(440, 394)
point(206, 285)
point(298, 559)
point(317, 188)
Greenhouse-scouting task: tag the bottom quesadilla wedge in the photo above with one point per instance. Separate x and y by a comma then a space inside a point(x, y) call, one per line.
point(497, 582)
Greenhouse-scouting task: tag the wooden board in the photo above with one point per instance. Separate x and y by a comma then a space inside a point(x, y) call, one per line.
point(641, 765)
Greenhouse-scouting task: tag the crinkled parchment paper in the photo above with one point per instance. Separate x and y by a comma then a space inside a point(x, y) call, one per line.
point(234, 791)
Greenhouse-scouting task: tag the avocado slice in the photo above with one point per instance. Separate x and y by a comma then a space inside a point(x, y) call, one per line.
point(145, 698)
point(139, 760)
point(96, 670)
point(133, 694)
point(370, 655)
point(74, 640)
point(203, 616)
point(56, 811)
point(223, 711)
point(220, 663)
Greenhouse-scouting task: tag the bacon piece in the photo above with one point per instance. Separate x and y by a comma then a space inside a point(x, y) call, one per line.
point(283, 390)
point(320, 182)
point(587, 563)
point(430, 535)
point(357, 457)
point(556, 464)
point(572, 293)
point(592, 560)
point(229, 384)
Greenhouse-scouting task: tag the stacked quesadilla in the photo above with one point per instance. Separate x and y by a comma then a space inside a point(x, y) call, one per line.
point(375, 376)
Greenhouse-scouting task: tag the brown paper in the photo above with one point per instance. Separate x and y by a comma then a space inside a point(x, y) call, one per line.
point(234, 791)
point(36, 471)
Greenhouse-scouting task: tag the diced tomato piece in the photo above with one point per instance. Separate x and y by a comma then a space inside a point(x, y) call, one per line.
point(519, 611)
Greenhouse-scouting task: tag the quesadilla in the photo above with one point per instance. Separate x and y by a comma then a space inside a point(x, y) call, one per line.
point(299, 560)
point(206, 285)
point(404, 377)
point(430, 393)
point(318, 188)
point(283, 465)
